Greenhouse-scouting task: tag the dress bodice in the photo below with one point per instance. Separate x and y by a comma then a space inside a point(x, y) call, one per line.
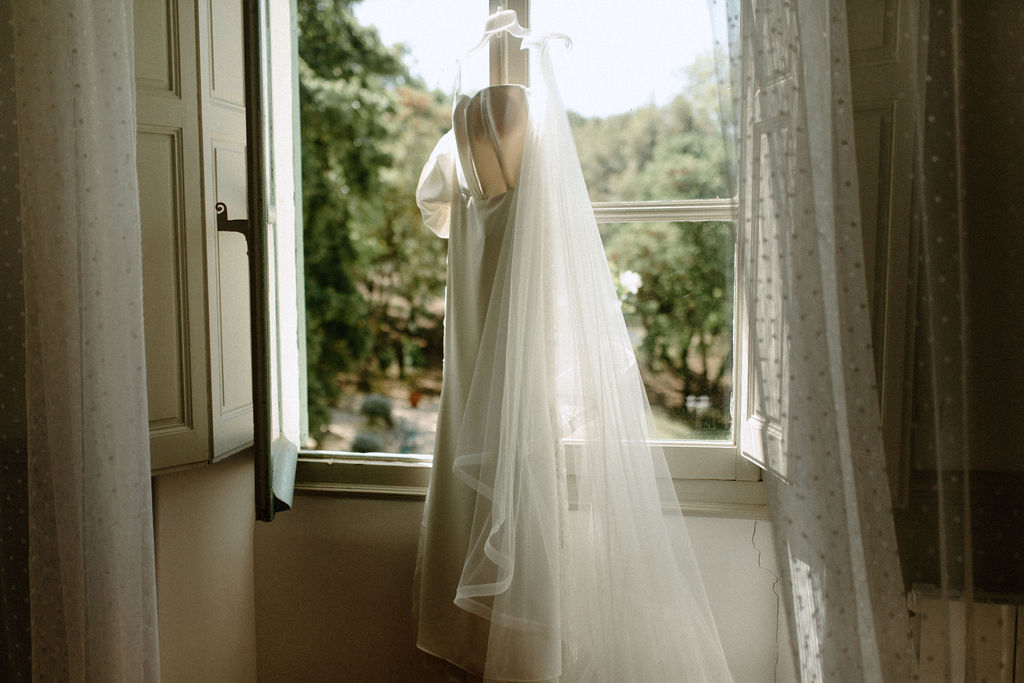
point(489, 129)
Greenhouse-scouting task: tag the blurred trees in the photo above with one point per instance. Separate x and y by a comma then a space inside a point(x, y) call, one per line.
point(403, 261)
point(375, 274)
point(672, 152)
point(682, 309)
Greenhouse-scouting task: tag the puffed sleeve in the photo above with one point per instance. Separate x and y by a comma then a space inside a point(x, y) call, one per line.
point(437, 187)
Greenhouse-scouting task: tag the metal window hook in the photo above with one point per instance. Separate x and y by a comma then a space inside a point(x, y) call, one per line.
point(239, 225)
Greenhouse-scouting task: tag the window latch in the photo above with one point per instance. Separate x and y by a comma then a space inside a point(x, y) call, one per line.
point(239, 225)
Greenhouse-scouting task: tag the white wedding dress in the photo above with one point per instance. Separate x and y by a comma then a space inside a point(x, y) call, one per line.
point(552, 546)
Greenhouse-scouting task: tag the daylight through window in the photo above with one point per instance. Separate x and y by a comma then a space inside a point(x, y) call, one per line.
point(644, 106)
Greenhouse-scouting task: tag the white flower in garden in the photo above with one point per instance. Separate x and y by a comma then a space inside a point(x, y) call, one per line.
point(631, 281)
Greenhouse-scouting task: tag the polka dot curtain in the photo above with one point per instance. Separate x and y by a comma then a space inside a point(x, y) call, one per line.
point(810, 337)
point(91, 562)
point(920, 580)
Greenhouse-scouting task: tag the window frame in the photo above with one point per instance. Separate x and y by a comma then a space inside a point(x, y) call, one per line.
point(712, 478)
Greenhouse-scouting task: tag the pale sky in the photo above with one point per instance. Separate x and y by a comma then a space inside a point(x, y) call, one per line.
point(624, 55)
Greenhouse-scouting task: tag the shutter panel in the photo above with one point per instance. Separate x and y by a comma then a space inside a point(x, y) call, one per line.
point(224, 144)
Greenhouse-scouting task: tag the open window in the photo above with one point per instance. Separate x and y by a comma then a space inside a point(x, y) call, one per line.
point(648, 127)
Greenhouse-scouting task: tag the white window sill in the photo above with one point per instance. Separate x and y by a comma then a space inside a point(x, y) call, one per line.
point(407, 476)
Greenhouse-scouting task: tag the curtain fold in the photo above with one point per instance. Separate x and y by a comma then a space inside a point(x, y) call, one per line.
point(813, 414)
point(964, 576)
point(943, 560)
point(91, 555)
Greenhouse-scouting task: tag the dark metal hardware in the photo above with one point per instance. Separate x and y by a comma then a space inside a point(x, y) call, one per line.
point(239, 225)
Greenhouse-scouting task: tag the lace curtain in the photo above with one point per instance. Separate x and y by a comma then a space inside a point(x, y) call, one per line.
point(861, 557)
point(91, 562)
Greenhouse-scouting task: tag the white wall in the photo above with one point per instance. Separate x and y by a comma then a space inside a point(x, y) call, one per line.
point(334, 591)
point(737, 561)
point(204, 520)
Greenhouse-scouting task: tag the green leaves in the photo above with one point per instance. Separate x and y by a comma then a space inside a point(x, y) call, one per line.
point(656, 153)
point(344, 71)
point(373, 273)
point(682, 309)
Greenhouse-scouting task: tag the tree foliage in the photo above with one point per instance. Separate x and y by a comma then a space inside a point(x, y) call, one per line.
point(375, 274)
point(672, 152)
point(683, 306)
point(404, 263)
point(345, 79)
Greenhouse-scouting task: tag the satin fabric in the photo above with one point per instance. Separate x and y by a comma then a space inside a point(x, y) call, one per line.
point(553, 548)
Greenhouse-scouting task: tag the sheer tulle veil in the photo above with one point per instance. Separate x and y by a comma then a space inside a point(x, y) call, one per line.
point(578, 557)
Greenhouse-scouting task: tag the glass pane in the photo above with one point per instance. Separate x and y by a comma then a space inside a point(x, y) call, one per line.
point(675, 281)
point(375, 96)
point(644, 101)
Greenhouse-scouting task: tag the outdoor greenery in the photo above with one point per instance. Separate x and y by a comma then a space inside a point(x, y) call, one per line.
point(683, 304)
point(375, 274)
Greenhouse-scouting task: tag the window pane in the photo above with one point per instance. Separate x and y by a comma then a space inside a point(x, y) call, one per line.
point(640, 86)
point(374, 99)
point(675, 281)
point(375, 275)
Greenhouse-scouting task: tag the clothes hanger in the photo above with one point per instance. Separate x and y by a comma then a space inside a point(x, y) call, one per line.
point(502, 20)
point(507, 21)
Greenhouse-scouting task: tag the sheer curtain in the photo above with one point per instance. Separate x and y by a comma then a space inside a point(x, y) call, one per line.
point(961, 528)
point(813, 415)
point(91, 561)
point(905, 560)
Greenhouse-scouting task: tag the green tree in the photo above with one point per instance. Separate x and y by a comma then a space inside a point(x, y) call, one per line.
point(671, 152)
point(684, 304)
point(404, 262)
point(346, 81)
point(374, 273)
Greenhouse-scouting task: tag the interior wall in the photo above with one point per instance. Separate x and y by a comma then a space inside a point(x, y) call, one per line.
point(204, 521)
point(334, 592)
